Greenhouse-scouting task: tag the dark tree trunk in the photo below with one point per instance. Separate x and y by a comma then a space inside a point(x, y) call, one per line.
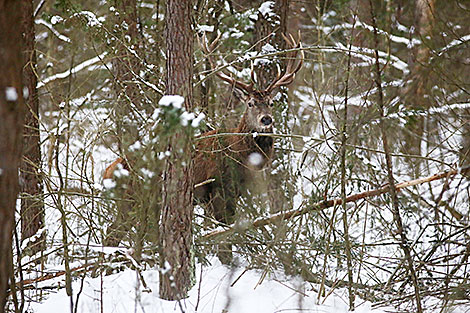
point(269, 29)
point(177, 210)
point(464, 155)
point(282, 11)
point(12, 111)
point(32, 205)
point(127, 66)
point(415, 95)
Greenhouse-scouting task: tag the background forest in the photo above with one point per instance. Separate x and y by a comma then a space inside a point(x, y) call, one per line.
point(365, 200)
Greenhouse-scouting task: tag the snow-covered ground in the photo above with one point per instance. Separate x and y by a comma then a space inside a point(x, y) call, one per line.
point(218, 289)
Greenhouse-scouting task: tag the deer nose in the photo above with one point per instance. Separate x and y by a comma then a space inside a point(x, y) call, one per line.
point(266, 120)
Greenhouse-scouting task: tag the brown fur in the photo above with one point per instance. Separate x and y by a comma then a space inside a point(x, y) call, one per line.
point(224, 158)
point(109, 171)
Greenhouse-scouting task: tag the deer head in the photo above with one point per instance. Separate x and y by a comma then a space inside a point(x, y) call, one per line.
point(258, 116)
point(258, 113)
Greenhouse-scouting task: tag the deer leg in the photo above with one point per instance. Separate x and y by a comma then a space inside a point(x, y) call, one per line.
point(121, 225)
point(223, 208)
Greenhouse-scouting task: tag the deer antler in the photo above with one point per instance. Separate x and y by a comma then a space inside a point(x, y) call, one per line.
point(209, 49)
point(293, 64)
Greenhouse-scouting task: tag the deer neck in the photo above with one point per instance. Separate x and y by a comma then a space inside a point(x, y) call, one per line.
point(255, 143)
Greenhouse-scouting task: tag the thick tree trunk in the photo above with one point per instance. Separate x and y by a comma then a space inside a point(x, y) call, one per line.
point(415, 94)
point(12, 111)
point(32, 205)
point(177, 211)
point(127, 65)
point(269, 29)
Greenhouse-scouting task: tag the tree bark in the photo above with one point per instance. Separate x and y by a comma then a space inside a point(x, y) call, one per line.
point(269, 29)
point(127, 65)
point(415, 94)
point(12, 111)
point(177, 210)
point(32, 205)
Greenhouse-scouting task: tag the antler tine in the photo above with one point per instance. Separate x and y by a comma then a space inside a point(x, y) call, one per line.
point(295, 45)
point(215, 42)
point(293, 64)
point(209, 49)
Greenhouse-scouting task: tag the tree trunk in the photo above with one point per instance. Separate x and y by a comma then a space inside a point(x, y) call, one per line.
point(32, 204)
point(12, 111)
point(177, 210)
point(269, 29)
point(127, 65)
point(415, 94)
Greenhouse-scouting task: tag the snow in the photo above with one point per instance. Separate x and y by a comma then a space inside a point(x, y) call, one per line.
point(174, 100)
point(147, 172)
point(212, 292)
point(268, 48)
point(109, 183)
point(266, 8)
point(454, 43)
point(135, 146)
point(205, 28)
point(121, 172)
point(162, 155)
point(186, 117)
point(218, 289)
point(26, 242)
point(91, 18)
point(195, 123)
point(384, 57)
point(25, 92)
point(255, 159)
point(11, 94)
point(56, 19)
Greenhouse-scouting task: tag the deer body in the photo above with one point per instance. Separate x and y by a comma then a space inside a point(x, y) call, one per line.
point(223, 164)
point(225, 159)
point(230, 161)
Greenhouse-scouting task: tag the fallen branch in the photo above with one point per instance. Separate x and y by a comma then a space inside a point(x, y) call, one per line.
point(281, 216)
point(26, 282)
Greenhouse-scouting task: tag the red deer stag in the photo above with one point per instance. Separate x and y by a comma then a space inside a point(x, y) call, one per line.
point(222, 163)
point(229, 160)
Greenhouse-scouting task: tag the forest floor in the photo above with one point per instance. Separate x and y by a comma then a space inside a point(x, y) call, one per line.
point(218, 288)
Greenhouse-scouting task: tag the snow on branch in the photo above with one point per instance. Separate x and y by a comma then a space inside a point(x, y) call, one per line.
point(282, 216)
point(53, 30)
point(454, 43)
point(73, 70)
point(384, 57)
point(410, 42)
